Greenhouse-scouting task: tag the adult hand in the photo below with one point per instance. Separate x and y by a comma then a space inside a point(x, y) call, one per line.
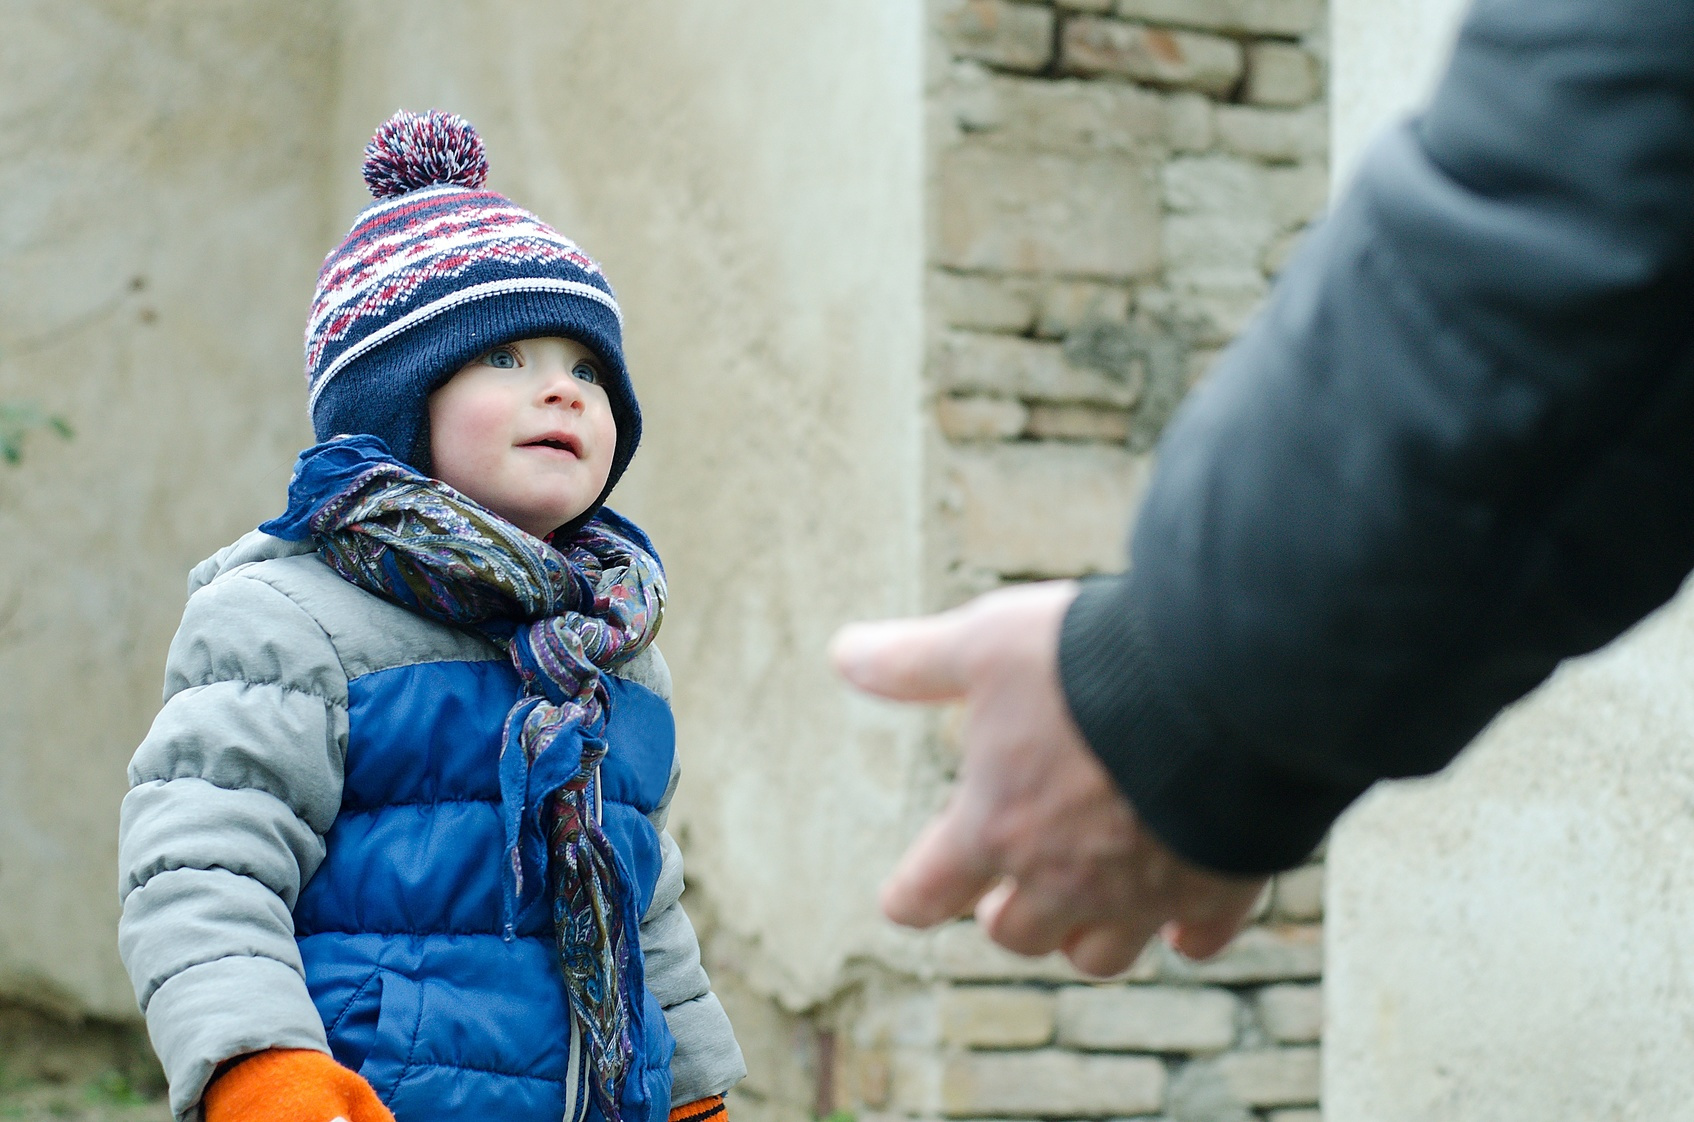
point(1036, 835)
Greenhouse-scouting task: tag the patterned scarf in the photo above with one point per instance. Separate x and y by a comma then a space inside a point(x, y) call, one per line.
point(564, 612)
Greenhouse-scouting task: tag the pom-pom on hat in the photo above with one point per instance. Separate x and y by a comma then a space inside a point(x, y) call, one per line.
point(436, 272)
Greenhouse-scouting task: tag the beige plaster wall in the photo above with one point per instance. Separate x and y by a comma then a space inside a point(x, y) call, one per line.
point(1507, 940)
point(160, 226)
point(1385, 56)
point(750, 173)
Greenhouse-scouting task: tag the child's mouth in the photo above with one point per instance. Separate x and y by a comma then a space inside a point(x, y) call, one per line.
point(556, 443)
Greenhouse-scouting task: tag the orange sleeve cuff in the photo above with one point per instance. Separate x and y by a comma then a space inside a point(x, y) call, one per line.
point(291, 1085)
point(701, 1110)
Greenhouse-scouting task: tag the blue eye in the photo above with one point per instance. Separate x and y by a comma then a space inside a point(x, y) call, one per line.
point(501, 358)
point(587, 373)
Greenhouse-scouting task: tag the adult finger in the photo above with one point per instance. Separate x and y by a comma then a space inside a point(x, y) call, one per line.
point(1226, 906)
point(1105, 949)
point(1027, 918)
point(1205, 939)
point(917, 659)
point(941, 876)
point(992, 901)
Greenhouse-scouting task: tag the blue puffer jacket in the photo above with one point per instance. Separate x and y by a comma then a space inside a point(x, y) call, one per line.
point(402, 929)
point(312, 849)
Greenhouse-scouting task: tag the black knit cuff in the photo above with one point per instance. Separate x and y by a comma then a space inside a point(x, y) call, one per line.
point(1211, 802)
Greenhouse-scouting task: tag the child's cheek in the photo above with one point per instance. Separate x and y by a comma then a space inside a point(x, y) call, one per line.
point(471, 431)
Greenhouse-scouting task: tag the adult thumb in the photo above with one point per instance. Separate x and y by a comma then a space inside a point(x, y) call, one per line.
point(917, 659)
point(941, 876)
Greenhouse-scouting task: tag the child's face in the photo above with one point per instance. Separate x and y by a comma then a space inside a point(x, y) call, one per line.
point(527, 431)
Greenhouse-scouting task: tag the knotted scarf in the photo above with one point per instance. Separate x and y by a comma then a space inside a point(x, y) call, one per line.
point(565, 612)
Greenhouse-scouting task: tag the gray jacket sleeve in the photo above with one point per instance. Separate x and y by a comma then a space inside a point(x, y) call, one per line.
point(708, 1060)
point(231, 794)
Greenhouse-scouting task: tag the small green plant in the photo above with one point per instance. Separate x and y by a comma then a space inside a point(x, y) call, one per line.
point(839, 1116)
point(20, 417)
point(114, 1088)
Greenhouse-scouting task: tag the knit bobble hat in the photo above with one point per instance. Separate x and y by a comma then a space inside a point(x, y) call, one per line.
point(433, 274)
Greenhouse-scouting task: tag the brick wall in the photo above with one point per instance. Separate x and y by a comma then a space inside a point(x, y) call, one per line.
point(1113, 184)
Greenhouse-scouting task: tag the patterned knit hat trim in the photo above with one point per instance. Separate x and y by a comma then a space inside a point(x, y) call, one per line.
point(400, 247)
point(447, 303)
point(477, 216)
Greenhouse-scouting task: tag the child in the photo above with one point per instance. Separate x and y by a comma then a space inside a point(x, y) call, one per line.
point(397, 835)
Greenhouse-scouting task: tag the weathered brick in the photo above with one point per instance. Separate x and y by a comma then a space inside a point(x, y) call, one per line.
point(1291, 1014)
point(1077, 422)
point(1051, 1083)
point(1280, 74)
point(1015, 36)
point(981, 418)
point(1010, 367)
point(1198, 1093)
point(1297, 194)
point(1274, 134)
point(962, 952)
point(1241, 191)
point(1157, 55)
point(870, 1078)
point(999, 513)
point(984, 303)
point(1210, 316)
point(1189, 125)
point(1299, 893)
point(1146, 1018)
point(1220, 312)
point(1272, 1076)
point(1066, 305)
point(915, 1080)
point(1046, 212)
point(1222, 214)
point(1218, 249)
point(1064, 115)
point(1259, 954)
point(998, 1016)
point(1238, 17)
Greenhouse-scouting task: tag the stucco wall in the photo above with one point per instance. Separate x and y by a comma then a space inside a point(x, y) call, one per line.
point(1509, 940)
point(1384, 57)
point(160, 225)
point(1506, 940)
point(749, 172)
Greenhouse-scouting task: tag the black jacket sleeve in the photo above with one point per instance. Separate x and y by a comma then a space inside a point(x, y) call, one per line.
point(1455, 448)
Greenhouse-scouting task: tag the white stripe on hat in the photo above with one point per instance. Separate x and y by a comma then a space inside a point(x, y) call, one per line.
point(520, 225)
point(383, 206)
point(462, 296)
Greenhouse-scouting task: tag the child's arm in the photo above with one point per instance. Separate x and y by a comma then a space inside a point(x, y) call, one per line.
point(231, 794)
point(707, 1061)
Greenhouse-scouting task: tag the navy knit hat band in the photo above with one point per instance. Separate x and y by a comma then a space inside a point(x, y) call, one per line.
point(435, 273)
point(378, 390)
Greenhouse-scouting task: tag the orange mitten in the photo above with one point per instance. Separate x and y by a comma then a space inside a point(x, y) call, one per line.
point(292, 1085)
point(701, 1110)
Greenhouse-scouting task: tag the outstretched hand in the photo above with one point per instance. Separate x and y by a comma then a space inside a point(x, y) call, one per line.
point(1036, 836)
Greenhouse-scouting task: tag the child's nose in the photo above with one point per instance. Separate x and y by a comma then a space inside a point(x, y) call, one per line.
point(562, 388)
